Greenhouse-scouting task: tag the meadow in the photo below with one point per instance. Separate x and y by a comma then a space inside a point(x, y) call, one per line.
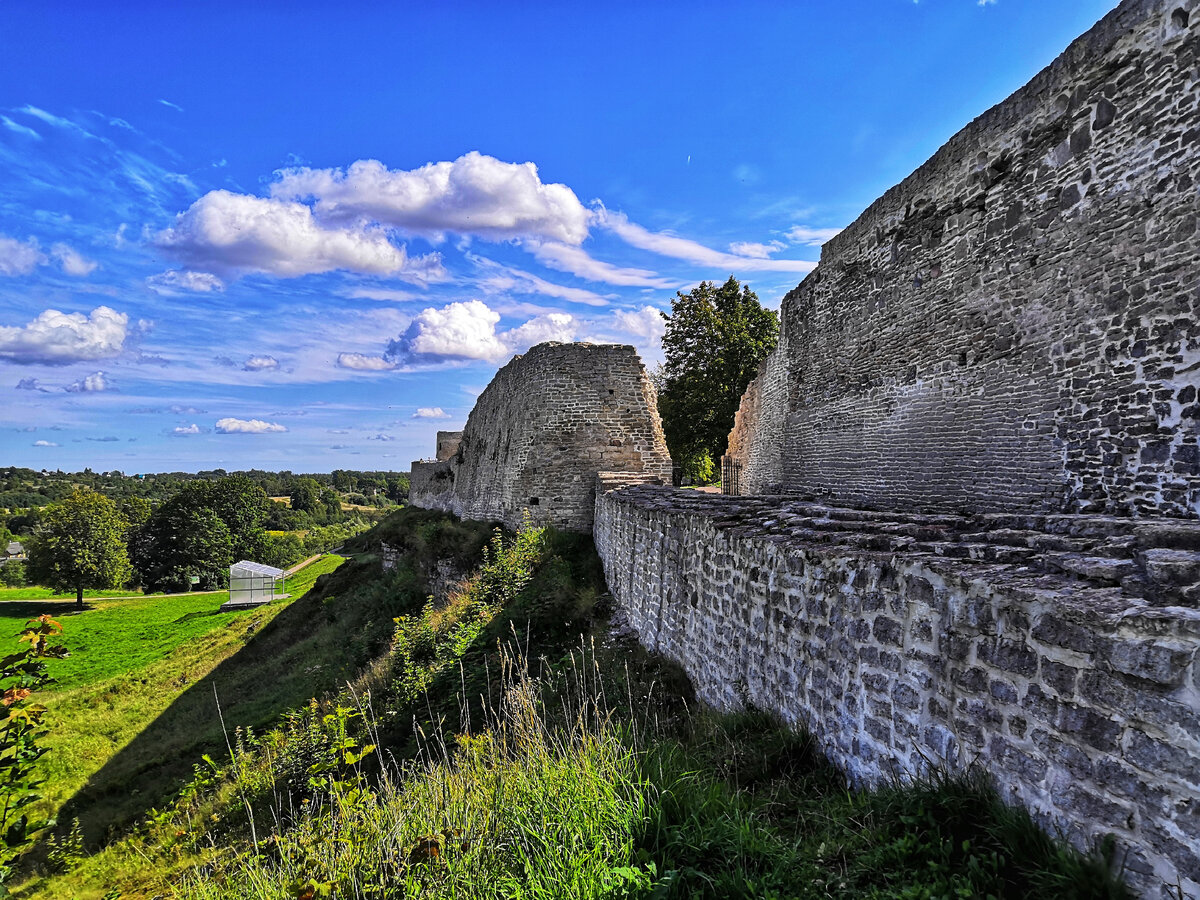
point(130, 659)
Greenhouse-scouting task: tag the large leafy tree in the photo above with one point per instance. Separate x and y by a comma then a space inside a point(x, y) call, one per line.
point(180, 542)
point(715, 339)
point(199, 532)
point(80, 543)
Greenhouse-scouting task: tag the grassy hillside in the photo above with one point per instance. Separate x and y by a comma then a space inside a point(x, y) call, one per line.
point(130, 662)
point(499, 742)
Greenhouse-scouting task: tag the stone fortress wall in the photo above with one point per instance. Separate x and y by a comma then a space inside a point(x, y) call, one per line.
point(979, 434)
point(1015, 642)
point(1016, 325)
point(541, 434)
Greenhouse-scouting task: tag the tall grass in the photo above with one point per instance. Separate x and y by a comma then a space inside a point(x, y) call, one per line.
point(525, 809)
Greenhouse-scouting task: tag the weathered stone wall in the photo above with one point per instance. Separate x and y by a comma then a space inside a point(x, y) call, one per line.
point(542, 431)
point(447, 444)
point(1007, 640)
point(1016, 325)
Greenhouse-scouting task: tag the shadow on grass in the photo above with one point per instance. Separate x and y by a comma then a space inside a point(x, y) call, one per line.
point(31, 609)
point(198, 614)
point(311, 647)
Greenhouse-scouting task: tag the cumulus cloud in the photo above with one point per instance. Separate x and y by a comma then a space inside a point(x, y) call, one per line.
point(55, 338)
point(94, 383)
point(44, 444)
point(461, 330)
point(464, 331)
point(380, 437)
point(19, 257)
point(187, 429)
point(646, 322)
point(227, 231)
point(31, 384)
point(362, 363)
point(247, 426)
point(72, 262)
point(260, 364)
point(810, 237)
point(551, 327)
point(665, 244)
point(473, 195)
point(575, 260)
point(173, 281)
point(430, 412)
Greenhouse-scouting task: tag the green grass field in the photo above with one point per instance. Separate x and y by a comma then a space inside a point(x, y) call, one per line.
point(130, 661)
point(42, 593)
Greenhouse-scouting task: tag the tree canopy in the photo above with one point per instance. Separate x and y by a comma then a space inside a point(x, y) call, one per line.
point(716, 338)
point(80, 543)
point(199, 532)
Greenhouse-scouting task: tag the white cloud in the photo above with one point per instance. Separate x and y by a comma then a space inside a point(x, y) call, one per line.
point(173, 281)
point(247, 426)
point(363, 363)
point(44, 444)
point(174, 106)
point(381, 437)
point(430, 412)
point(260, 364)
point(576, 261)
point(646, 322)
point(810, 237)
point(675, 247)
point(19, 257)
point(31, 384)
point(19, 129)
point(223, 230)
point(94, 383)
point(72, 262)
point(474, 195)
point(381, 294)
point(56, 338)
point(757, 251)
point(461, 330)
point(505, 279)
point(187, 429)
point(464, 331)
point(553, 327)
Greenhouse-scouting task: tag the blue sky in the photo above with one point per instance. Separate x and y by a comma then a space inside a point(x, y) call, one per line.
point(305, 235)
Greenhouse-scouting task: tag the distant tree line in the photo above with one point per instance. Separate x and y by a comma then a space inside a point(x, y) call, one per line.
point(189, 538)
point(24, 492)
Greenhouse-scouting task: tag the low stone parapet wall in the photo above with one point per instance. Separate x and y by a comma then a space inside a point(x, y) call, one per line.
point(905, 642)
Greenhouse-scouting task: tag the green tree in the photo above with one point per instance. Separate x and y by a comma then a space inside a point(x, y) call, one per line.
point(199, 532)
point(80, 543)
point(179, 542)
point(716, 338)
point(306, 495)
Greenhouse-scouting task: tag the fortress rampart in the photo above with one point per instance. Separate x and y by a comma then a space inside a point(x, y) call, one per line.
point(540, 435)
point(1016, 325)
point(904, 641)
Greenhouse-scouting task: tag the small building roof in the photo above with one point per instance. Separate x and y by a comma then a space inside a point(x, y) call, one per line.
point(256, 568)
point(15, 548)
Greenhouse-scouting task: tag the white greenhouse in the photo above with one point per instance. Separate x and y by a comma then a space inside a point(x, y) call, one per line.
point(252, 583)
